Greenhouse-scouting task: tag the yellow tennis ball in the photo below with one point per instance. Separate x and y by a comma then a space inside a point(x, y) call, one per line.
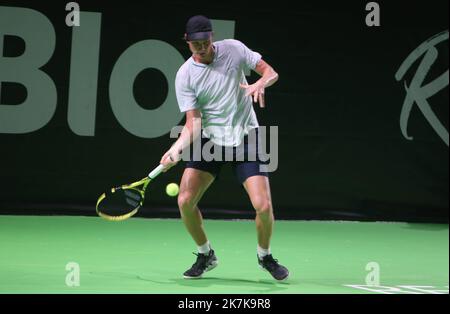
point(172, 189)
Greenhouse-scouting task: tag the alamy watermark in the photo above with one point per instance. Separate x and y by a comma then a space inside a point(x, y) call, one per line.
point(373, 17)
point(73, 18)
point(373, 277)
point(234, 144)
point(73, 275)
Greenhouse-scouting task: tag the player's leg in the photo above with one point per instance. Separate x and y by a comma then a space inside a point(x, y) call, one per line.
point(258, 188)
point(193, 185)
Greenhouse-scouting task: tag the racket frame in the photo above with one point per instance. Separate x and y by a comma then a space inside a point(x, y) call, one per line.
point(132, 186)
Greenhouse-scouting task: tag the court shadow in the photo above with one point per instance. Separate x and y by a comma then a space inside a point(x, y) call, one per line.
point(426, 227)
point(260, 286)
point(112, 274)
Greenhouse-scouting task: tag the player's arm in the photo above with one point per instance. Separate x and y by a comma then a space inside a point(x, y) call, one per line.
point(268, 74)
point(191, 131)
point(268, 78)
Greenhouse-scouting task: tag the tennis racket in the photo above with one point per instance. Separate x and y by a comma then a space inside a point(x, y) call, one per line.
point(122, 202)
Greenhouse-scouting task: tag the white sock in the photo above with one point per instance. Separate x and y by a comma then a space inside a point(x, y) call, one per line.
point(262, 252)
point(205, 248)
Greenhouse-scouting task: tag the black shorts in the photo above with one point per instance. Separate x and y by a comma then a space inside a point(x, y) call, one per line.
point(245, 160)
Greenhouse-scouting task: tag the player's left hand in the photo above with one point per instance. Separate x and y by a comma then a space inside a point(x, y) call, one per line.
point(255, 90)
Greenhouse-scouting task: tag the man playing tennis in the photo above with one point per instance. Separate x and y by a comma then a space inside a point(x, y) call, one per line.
point(212, 90)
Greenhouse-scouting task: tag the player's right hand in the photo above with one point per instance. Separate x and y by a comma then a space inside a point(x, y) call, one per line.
point(169, 159)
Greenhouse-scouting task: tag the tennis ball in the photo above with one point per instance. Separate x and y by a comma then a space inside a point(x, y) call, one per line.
point(172, 189)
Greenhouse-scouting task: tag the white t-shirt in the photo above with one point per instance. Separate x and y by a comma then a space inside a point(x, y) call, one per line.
point(227, 114)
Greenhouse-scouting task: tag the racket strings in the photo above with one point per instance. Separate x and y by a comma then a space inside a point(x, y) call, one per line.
point(121, 202)
point(133, 198)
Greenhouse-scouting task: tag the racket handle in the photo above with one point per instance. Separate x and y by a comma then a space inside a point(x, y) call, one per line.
point(155, 172)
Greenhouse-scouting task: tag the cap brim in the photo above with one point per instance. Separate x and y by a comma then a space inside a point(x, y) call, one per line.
point(198, 36)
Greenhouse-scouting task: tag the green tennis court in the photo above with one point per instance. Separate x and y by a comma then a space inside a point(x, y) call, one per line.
point(69, 254)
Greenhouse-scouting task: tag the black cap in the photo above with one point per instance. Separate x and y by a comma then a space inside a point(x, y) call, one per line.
point(198, 28)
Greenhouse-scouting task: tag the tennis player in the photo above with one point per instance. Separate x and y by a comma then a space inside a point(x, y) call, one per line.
point(212, 90)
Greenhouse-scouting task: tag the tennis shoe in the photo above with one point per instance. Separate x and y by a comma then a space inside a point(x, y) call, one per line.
point(204, 263)
point(268, 263)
